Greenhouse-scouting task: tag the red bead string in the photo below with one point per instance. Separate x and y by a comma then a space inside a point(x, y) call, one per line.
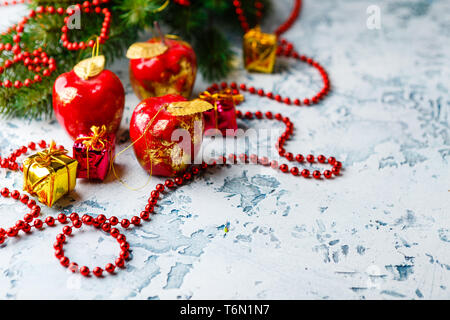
point(286, 49)
point(28, 218)
point(87, 7)
point(13, 2)
point(285, 26)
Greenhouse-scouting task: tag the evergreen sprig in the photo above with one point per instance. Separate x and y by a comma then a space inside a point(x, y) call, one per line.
point(203, 23)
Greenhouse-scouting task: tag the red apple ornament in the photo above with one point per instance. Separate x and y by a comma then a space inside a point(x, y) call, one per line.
point(88, 96)
point(160, 67)
point(167, 133)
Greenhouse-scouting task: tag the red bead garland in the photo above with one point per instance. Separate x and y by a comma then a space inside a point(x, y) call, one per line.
point(84, 270)
point(21, 225)
point(86, 7)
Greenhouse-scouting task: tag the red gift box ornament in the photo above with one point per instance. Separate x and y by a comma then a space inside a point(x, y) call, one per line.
point(223, 116)
point(94, 153)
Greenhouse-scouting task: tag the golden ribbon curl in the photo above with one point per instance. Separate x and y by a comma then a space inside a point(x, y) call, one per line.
point(96, 140)
point(225, 94)
point(44, 158)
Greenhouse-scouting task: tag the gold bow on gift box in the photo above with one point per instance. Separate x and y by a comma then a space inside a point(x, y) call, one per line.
point(225, 94)
point(49, 174)
point(260, 50)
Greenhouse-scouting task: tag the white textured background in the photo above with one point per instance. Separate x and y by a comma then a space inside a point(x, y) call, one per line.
point(379, 232)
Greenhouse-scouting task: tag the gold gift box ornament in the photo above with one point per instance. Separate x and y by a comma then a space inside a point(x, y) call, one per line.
point(260, 51)
point(49, 174)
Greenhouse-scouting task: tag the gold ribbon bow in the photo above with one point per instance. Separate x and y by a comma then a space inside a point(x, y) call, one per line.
point(96, 142)
point(45, 157)
point(225, 94)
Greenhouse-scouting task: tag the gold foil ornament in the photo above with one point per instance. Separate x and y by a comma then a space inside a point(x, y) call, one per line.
point(89, 68)
point(184, 108)
point(146, 50)
point(259, 50)
point(49, 174)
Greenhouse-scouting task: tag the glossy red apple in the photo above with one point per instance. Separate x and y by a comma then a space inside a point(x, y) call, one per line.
point(172, 72)
point(162, 151)
point(81, 103)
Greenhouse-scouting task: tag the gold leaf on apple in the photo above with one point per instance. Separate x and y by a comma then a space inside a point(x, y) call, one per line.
point(146, 50)
point(184, 108)
point(89, 68)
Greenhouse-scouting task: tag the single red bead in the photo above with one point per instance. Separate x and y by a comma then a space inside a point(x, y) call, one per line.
point(305, 173)
point(28, 217)
point(20, 224)
point(121, 238)
point(84, 271)
point(60, 238)
point(321, 158)
point(120, 262)
point(335, 171)
point(327, 174)
point(169, 183)
point(87, 219)
point(24, 198)
point(73, 266)
point(289, 156)
point(106, 227)
point(12, 232)
point(67, 230)
point(294, 171)
point(125, 223)
point(113, 220)
point(97, 271)
point(124, 246)
point(59, 253)
point(5, 192)
point(62, 218)
point(299, 157)
point(15, 194)
point(50, 221)
point(74, 216)
point(26, 228)
point(64, 261)
point(316, 174)
point(145, 215)
point(338, 164)
point(101, 218)
point(114, 232)
point(310, 158)
point(160, 187)
point(110, 268)
point(38, 224)
point(179, 180)
point(284, 168)
point(332, 160)
point(136, 220)
point(124, 254)
point(77, 223)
